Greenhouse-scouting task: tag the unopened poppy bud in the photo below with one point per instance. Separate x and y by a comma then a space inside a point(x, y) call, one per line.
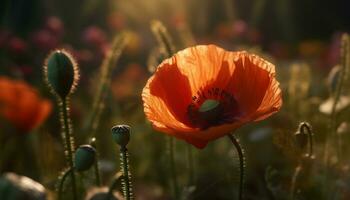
point(85, 157)
point(15, 187)
point(61, 73)
point(121, 134)
point(301, 139)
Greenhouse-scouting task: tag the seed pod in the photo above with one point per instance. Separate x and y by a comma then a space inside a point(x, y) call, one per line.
point(121, 134)
point(85, 157)
point(15, 187)
point(61, 73)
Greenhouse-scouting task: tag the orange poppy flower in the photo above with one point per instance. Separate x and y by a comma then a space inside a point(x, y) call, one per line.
point(204, 92)
point(21, 105)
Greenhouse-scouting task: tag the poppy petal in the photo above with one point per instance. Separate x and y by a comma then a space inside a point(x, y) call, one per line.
point(250, 80)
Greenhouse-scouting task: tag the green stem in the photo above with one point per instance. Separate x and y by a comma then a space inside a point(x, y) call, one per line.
point(96, 165)
point(294, 181)
point(239, 149)
point(163, 37)
point(333, 119)
point(97, 173)
point(108, 64)
point(65, 175)
point(127, 187)
point(69, 144)
point(190, 163)
point(172, 168)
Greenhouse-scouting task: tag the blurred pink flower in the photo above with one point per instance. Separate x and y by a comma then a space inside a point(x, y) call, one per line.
point(44, 40)
point(240, 28)
point(95, 36)
point(55, 26)
point(83, 55)
point(333, 52)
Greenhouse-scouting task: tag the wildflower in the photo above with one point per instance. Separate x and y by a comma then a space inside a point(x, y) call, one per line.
point(204, 92)
point(21, 105)
point(95, 36)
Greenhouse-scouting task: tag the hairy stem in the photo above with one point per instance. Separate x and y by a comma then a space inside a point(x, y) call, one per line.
point(69, 142)
point(127, 186)
point(344, 61)
point(108, 64)
point(163, 37)
point(239, 150)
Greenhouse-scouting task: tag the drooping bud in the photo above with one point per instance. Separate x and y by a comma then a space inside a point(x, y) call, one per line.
point(304, 138)
point(61, 73)
point(301, 139)
point(121, 134)
point(85, 157)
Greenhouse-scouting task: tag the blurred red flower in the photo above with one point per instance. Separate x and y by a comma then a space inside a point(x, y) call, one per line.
point(17, 45)
point(21, 105)
point(204, 92)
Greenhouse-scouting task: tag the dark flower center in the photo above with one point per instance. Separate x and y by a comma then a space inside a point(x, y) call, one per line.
point(210, 110)
point(212, 107)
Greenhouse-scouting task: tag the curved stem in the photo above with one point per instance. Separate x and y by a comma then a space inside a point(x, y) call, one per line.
point(163, 37)
point(69, 144)
point(294, 181)
point(127, 187)
point(239, 149)
point(107, 66)
point(116, 180)
point(344, 62)
point(307, 126)
point(60, 188)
